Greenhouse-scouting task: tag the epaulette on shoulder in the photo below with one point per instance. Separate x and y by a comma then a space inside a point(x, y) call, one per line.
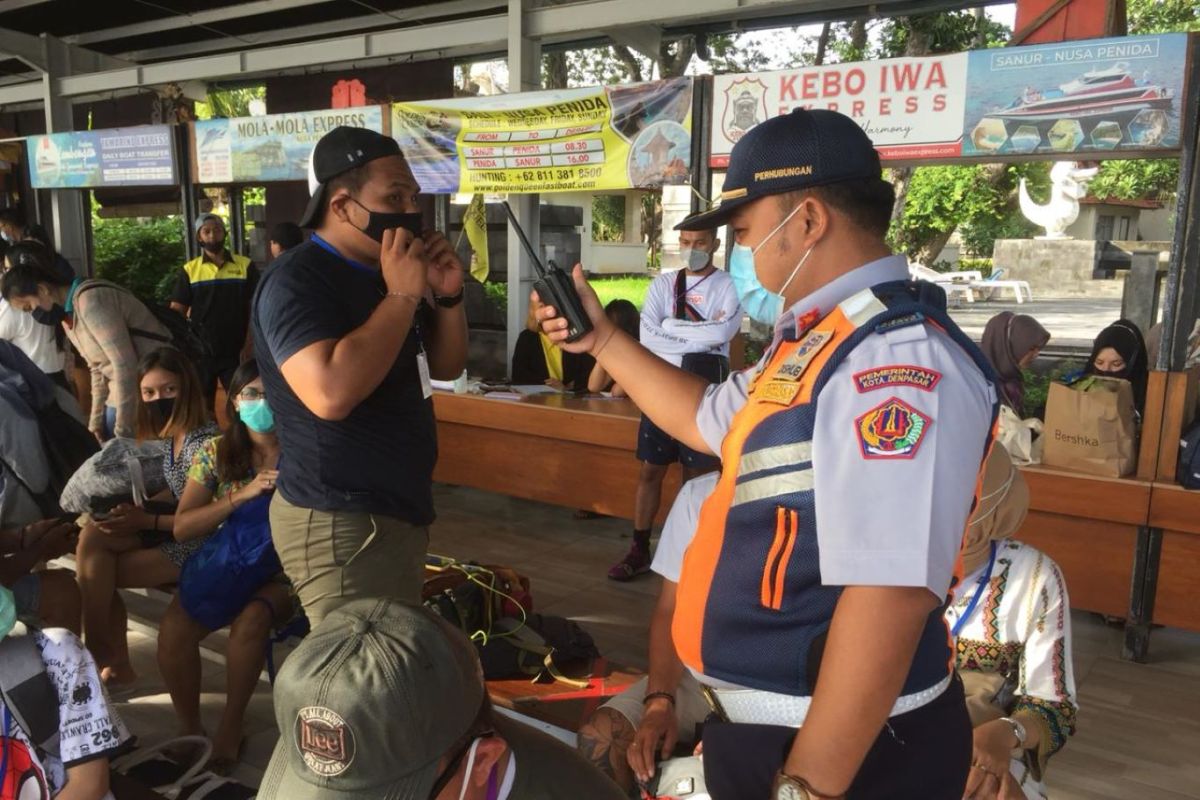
point(908, 320)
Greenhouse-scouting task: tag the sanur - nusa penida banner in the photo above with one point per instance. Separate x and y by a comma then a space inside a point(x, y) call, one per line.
point(613, 137)
point(1122, 96)
point(912, 108)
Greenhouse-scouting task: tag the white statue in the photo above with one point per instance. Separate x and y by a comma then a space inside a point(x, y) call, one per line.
point(1068, 185)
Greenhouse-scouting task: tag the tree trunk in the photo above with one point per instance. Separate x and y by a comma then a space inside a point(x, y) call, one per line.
point(858, 38)
point(933, 248)
point(822, 45)
point(672, 64)
point(554, 68)
point(917, 44)
point(630, 62)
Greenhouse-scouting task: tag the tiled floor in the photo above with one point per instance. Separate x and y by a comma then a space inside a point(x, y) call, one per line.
point(1139, 724)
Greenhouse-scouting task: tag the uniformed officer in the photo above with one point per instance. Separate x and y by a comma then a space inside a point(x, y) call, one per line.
point(812, 595)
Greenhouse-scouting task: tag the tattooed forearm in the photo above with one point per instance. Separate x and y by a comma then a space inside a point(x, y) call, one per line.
point(604, 741)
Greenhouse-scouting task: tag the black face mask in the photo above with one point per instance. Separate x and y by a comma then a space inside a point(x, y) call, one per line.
point(54, 316)
point(161, 411)
point(380, 221)
point(213, 247)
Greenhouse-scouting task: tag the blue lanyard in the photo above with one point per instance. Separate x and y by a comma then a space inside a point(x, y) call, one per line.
point(326, 246)
point(6, 744)
point(979, 587)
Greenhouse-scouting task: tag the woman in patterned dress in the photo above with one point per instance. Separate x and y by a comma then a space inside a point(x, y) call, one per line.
point(1011, 620)
point(132, 547)
point(227, 472)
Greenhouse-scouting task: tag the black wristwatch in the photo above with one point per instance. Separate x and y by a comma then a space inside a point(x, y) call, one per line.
point(452, 301)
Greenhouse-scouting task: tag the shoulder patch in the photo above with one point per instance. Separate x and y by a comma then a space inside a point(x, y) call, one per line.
point(896, 375)
point(795, 364)
point(900, 322)
point(780, 392)
point(892, 430)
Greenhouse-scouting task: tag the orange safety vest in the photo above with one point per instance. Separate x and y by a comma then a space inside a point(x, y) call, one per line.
point(751, 608)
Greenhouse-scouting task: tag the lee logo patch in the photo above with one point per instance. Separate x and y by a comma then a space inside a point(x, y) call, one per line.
point(780, 392)
point(795, 364)
point(898, 375)
point(325, 741)
point(892, 430)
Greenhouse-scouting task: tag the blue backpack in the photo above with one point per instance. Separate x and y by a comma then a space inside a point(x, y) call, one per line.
point(219, 579)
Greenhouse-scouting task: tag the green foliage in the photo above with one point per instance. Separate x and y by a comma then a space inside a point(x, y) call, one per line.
point(140, 254)
point(981, 265)
point(228, 103)
point(497, 294)
point(1037, 386)
point(979, 235)
point(608, 218)
point(947, 32)
point(1143, 179)
point(632, 288)
point(1163, 16)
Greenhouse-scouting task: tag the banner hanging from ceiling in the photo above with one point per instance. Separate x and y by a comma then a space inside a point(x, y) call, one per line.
point(141, 156)
point(275, 147)
point(614, 137)
point(1103, 98)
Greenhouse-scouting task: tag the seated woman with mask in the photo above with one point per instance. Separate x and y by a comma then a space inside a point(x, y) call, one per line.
point(227, 472)
point(132, 547)
point(1010, 617)
point(1120, 352)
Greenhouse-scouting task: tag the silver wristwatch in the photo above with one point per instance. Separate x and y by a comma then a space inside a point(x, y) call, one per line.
point(1018, 730)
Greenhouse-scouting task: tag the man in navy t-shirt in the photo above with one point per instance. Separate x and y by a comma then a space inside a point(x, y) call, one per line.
point(349, 327)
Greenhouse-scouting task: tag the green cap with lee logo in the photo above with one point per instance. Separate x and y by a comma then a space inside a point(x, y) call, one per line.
point(369, 703)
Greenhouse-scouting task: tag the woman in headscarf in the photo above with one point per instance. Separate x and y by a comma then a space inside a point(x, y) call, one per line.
point(1120, 352)
point(1010, 617)
point(1011, 342)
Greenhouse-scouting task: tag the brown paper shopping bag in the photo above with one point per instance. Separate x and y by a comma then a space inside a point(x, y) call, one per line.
point(1090, 427)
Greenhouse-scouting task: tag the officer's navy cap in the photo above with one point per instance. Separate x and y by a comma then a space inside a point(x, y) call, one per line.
point(799, 150)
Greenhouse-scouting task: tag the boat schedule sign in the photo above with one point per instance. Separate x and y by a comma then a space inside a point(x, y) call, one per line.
point(1098, 97)
point(275, 147)
point(140, 156)
point(912, 108)
point(1101, 98)
point(614, 137)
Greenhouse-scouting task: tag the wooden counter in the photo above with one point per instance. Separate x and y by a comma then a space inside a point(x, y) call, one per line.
point(567, 451)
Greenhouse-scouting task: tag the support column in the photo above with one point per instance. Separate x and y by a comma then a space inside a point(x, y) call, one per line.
point(524, 74)
point(68, 214)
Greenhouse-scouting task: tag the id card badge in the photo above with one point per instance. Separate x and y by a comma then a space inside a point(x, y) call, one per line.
point(423, 369)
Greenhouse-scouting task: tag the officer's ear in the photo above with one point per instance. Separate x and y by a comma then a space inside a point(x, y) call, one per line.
point(812, 219)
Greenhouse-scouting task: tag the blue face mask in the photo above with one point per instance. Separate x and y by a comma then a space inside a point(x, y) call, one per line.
point(758, 301)
point(8, 612)
point(257, 415)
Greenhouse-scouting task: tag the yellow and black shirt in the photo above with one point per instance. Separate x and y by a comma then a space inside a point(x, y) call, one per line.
point(219, 300)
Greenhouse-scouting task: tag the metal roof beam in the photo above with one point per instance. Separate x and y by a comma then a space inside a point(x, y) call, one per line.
point(184, 19)
point(366, 22)
point(480, 34)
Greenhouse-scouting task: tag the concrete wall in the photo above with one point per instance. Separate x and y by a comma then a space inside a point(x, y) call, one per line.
point(1157, 224)
point(1055, 268)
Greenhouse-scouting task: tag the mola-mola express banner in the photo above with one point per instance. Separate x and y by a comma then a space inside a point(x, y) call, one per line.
point(613, 137)
point(275, 147)
point(1102, 98)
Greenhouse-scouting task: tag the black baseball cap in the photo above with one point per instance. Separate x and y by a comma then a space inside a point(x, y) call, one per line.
point(799, 150)
point(341, 150)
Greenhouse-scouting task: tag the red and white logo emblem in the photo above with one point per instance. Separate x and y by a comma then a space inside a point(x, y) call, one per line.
point(325, 741)
point(745, 107)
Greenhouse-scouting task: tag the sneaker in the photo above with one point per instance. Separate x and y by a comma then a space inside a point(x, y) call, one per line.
point(636, 562)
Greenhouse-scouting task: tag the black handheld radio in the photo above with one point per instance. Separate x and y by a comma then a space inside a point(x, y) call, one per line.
point(555, 287)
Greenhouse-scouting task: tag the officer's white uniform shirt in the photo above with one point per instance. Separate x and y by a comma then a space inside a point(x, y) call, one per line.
point(884, 521)
point(713, 296)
